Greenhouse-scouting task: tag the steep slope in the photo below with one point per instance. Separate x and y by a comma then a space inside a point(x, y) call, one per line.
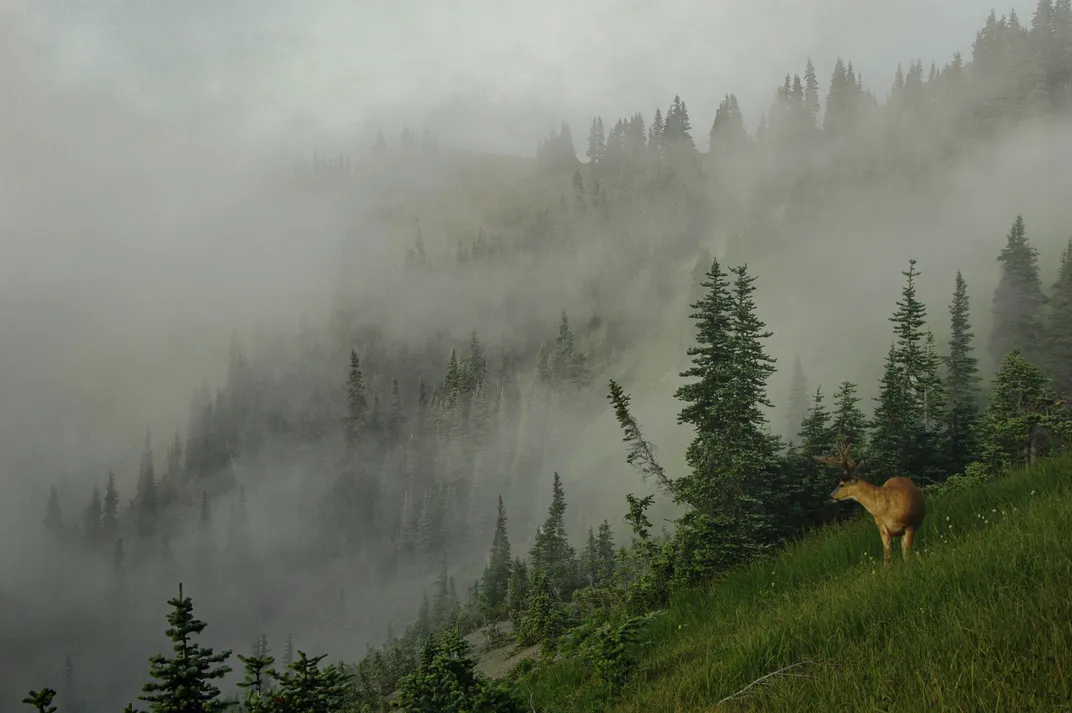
point(978, 621)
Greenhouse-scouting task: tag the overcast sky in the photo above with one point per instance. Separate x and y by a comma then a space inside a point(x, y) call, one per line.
point(491, 75)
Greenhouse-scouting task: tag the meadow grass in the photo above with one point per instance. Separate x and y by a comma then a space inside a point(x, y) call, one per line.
point(981, 620)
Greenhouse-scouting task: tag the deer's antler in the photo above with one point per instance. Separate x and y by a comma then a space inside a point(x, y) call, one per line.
point(841, 459)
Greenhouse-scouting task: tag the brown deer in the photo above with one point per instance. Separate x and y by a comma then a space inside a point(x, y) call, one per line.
point(897, 506)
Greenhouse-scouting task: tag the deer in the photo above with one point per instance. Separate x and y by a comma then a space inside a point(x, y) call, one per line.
point(897, 506)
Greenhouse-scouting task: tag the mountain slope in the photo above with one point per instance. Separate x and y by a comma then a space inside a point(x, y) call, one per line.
point(978, 621)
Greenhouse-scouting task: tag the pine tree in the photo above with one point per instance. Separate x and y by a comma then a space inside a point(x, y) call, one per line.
point(849, 423)
point(110, 512)
point(256, 681)
point(641, 451)
point(552, 553)
point(53, 514)
point(1018, 298)
point(184, 682)
point(146, 492)
point(605, 550)
point(962, 383)
point(798, 399)
point(1058, 345)
point(497, 573)
point(41, 700)
point(811, 93)
point(357, 404)
point(307, 688)
point(817, 438)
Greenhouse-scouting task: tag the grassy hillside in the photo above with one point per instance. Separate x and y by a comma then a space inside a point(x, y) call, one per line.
point(980, 620)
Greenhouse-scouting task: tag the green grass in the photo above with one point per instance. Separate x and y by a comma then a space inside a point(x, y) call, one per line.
point(980, 621)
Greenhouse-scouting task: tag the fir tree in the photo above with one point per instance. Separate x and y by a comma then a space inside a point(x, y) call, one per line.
point(552, 552)
point(184, 682)
point(641, 453)
point(817, 438)
point(92, 519)
point(1058, 345)
point(53, 514)
point(41, 700)
point(962, 383)
point(146, 492)
point(256, 666)
point(307, 688)
point(849, 423)
point(1018, 298)
point(798, 399)
point(497, 574)
point(356, 403)
point(110, 511)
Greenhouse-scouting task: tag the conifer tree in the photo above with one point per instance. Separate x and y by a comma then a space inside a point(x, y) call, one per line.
point(1018, 298)
point(256, 681)
point(1021, 417)
point(1058, 344)
point(41, 700)
point(605, 551)
point(798, 399)
point(306, 688)
point(551, 552)
point(357, 404)
point(849, 423)
point(110, 511)
point(497, 574)
point(146, 492)
point(817, 438)
point(962, 383)
point(53, 514)
point(92, 519)
point(641, 451)
point(184, 682)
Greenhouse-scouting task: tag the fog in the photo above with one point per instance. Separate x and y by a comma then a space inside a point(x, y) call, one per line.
point(150, 209)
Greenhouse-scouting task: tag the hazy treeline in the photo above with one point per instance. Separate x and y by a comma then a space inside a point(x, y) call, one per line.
point(341, 470)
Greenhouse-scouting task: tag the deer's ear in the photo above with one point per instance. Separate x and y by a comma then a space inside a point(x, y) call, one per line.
point(858, 469)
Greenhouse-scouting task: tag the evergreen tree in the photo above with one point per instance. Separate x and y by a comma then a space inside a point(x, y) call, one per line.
point(53, 515)
point(92, 519)
point(962, 383)
point(356, 403)
point(1018, 298)
point(849, 423)
point(552, 553)
point(184, 682)
point(306, 688)
point(1022, 417)
point(41, 700)
point(817, 438)
point(798, 399)
point(256, 681)
point(1058, 346)
point(497, 573)
point(605, 552)
point(110, 511)
point(146, 492)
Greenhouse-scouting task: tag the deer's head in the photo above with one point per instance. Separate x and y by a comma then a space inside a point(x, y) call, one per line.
point(850, 472)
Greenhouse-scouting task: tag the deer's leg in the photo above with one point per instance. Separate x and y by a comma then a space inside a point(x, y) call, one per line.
point(886, 541)
point(906, 542)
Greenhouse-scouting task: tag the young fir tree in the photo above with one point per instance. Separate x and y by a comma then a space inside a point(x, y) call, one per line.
point(798, 400)
point(551, 552)
point(92, 519)
point(1018, 298)
point(146, 491)
point(41, 700)
point(306, 688)
point(962, 384)
point(53, 514)
point(497, 574)
point(1058, 344)
point(1022, 416)
point(731, 483)
point(356, 404)
point(184, 681)
point(817, 438)
point(257, 666)
point(110, 511)
point(849, 423)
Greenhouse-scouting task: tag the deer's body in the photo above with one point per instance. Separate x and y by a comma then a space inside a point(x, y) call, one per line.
point(897, 506)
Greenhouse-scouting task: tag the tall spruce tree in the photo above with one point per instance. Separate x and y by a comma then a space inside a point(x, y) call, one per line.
point(356, 403)
point(798, 400)
point(1058, 344)
point(1018, 299)
point(849, 423)
point(962, 383)
point(552, 552)
point(184, 681)
point(110, 511)
point(497, 573)
point(146, 492)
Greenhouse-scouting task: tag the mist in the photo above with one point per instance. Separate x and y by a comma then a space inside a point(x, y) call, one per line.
point(160, 204)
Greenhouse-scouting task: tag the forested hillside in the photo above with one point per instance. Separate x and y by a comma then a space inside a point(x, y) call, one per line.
point(441, 453)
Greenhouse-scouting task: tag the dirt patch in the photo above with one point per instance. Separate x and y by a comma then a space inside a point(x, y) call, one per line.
point(496, 659)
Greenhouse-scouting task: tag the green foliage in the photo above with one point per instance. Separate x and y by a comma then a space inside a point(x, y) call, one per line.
point(446, 681)
point(257, 665)
point(1058, 335)
point(496, 579)
point(184, 682)
point(1023, 419)
point(552, 553)
point(962, 384)
point(306, 688)
point(545, 616)
point(615, 649)
point(1018, 298)
point(41, 700)
point(641, 453)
